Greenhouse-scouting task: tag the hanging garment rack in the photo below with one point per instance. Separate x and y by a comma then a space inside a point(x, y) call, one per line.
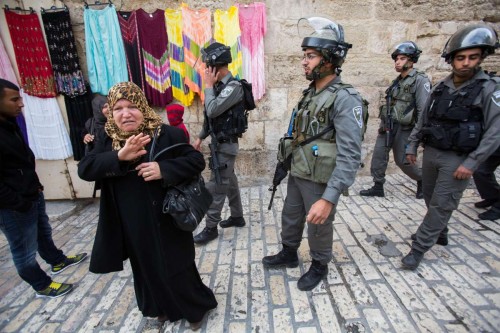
point(53, 9)
point(98, 3)
point(19, 9)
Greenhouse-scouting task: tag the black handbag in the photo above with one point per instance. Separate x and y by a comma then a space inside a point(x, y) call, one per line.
point(187, 202)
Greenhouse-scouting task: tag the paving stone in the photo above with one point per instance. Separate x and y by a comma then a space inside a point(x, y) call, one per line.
point(239, 298)
point(344, 302)
point(463, 312)
point(357, 285)
point(466, 290)
point(364, 263)
point(376, 320)
point(426, 322)
point(328, 320)
point(392, 308)
point(400, 287)
point(260, 311)
point(282, 319)
point(278, 290)
point(222, 279)
point(455, 289)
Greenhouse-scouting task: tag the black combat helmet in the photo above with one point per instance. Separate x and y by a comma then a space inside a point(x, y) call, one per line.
point(216, 54)
point(472, 36)
point(327, 37)
point(409, 49)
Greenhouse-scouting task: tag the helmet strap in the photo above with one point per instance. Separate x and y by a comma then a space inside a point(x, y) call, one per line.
point(316, 73)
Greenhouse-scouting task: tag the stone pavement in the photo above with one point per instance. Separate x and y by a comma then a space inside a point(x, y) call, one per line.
point(455, 289)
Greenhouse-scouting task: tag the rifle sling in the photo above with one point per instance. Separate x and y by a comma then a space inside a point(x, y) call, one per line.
point(314, 137)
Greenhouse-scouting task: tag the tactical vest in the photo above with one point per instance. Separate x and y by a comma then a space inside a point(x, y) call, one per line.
point(453, 123)
point(403, 101)
point(316, 160)
point(230, 125)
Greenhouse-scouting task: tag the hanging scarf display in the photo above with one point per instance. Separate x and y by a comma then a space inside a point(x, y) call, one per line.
point(62, 49)
point(79, 110)
point(128, 27)
point(47, 134)
point(180, 91)
point(106, 60)
point(227, 31)
point(197, 34)
point(35, 71)
point(7, 73)
point(154, 48)
point(253, 28)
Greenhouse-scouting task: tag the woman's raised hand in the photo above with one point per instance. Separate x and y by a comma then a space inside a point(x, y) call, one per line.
point(134, 147)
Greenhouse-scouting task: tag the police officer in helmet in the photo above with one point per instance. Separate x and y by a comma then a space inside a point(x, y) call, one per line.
point(223, 98)
point(322, 169)
point(459, 129)
point(406, 95)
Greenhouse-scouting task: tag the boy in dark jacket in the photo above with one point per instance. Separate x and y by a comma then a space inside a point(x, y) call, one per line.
point(23, 219)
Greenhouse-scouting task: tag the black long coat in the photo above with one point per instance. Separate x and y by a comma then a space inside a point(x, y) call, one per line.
point(132, 225)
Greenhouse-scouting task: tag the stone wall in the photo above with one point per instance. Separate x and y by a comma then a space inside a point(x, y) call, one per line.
point(372, 26)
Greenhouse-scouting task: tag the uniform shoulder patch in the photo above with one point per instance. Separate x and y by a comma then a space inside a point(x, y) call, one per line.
point(358, 115)
point(226, 91)
point(495, 97)
point(427, 86)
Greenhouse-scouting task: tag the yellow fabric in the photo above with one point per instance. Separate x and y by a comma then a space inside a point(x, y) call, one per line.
point(227, 31)
point(173, 21)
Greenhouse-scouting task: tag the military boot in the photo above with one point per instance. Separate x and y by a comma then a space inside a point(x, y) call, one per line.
point(206, 235)
point(286, 257)
point(376, 191)
point(313, 276)
point(412, 260)
point(420, 192)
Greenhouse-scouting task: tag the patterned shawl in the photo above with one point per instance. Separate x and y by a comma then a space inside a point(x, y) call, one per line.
point(130, 91)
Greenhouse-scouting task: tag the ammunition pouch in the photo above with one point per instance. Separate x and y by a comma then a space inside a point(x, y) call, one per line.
point(462, 138)
point(284, 148)
point(317, 167)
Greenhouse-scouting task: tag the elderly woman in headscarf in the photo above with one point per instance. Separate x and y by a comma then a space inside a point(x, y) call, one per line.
point(96, 123)
point(131, 223)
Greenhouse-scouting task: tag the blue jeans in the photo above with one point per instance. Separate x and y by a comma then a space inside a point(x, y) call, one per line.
point(27, 233)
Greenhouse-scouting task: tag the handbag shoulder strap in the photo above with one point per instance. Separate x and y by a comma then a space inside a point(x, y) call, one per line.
point(152, 157)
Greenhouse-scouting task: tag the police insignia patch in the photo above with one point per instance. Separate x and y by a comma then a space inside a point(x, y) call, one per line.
point(495, 97)
point(226, 91)
point(427, 87)
point(358, 115)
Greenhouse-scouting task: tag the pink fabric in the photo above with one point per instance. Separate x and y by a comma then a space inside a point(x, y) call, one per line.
point(253, 28)
point(6, 69)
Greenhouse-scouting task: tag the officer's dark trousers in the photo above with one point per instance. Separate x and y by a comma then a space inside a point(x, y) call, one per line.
point(300, 196)
point(380, 157)
point(229, 188)
point(442, 194)
point(486, 182)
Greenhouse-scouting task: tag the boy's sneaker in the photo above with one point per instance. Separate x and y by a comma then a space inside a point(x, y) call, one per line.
point(68, 262)
point(54, 290)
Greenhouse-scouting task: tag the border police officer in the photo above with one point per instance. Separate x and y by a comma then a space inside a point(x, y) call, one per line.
point(223, 99)
point(406, 95)
point(323, 168)
point(460, 128)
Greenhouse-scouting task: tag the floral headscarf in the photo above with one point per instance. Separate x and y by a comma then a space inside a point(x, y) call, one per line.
point(130, 91)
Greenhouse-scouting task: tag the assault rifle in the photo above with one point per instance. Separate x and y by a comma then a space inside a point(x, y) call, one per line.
point(389, 120)
point(280, 173)
point(213, 161)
